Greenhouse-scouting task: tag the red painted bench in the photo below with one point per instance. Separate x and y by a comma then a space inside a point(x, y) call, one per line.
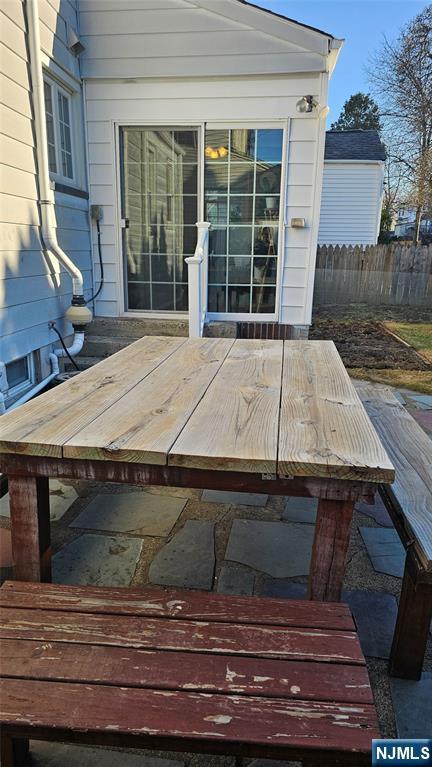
point(183, 671)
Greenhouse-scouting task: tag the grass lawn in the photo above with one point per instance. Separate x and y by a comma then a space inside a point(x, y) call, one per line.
point(418, 335)
point(418, 380)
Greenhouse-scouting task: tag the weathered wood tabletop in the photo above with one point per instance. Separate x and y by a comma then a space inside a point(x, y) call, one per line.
point(280, 417)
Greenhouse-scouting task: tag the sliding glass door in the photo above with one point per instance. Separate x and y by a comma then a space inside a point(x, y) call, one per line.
point(159, 179)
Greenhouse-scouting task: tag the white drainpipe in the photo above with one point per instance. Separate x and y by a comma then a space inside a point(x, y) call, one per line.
point(78, 313)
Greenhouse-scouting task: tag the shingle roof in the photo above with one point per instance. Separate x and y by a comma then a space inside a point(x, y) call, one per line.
point(354, 145)
point(286, 18)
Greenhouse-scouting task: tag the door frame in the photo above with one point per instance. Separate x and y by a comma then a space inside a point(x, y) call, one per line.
point(152, 124)
point(283, 124)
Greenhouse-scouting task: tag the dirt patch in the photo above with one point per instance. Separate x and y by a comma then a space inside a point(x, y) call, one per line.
point(366, 344)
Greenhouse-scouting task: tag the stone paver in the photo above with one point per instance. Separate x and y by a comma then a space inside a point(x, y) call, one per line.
point(234, 581)
point(422, 401)
point(97, 560)
point(378, 512)
point(62, 755)
point(234, 499)
point(188, 560)
point(399, 396)
point(280, 549)
point(139, 513)
point(300, 510)
point(385, 550)
point(374, 613)
point(61, 498)
point(424, 419)
point(412, 706)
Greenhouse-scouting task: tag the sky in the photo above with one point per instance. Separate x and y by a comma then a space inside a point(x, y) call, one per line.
point(362, 23)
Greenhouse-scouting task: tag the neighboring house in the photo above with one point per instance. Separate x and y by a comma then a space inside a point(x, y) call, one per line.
point(352, 190)
point(405, 223)
point(194, 110)
point(35, 290)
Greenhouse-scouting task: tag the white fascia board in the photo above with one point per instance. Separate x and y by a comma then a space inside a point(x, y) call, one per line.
point(276, 26)
point(354, 162)
point(335, 48)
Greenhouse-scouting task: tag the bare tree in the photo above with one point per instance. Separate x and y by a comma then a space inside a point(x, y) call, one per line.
point(401, 78)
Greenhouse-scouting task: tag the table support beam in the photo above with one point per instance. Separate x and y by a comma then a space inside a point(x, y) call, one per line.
point(30, 528)
point(329, 553)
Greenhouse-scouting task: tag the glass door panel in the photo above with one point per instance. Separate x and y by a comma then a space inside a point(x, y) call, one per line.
point(159, 175)
point(242, 181)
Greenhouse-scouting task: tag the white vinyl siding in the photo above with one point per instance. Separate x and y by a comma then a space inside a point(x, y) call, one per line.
point(351, 203)
point(35, 289)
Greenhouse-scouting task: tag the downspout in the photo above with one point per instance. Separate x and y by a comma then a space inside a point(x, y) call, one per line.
point(78, 313)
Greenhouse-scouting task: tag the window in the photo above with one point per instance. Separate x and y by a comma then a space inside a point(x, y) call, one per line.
point(242, 199)
point(18, 377)
point(59, 130)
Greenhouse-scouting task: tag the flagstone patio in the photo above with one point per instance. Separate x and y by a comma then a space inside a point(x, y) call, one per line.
point(232, 543)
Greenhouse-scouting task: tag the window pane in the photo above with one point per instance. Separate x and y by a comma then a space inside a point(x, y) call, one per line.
point(238, 299)
point(241, 210)
point(263, 300)
point(181, 293)
point(65, 136)
point(269, 145)
point(240, 241)
point(265, 271)
point(239, 271)
point(186, 146)
point(217, 145)
point(163, 297)
point(268, 179)
point(217, 298)
point(139, 295)
point(242, 145)
point(50, 128)
point(267, 209)
point(241, 178)
point(138, 267)
point(17, 372)
point(217, 210)
point(217, 241)
point(217, 269)
point(181, 269)
point(265, 241)
point(216, 178)
point(162, 268)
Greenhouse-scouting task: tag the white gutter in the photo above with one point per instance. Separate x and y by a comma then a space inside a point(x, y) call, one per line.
point(78, 313)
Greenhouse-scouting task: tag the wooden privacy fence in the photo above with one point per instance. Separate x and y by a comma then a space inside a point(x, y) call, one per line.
point(396, 274)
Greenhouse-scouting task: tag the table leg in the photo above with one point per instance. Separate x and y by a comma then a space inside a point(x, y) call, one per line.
point(14, 751)
point(330, 547)
point(412, 628)
point(30, 528)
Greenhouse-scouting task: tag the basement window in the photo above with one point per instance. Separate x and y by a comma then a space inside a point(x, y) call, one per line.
point(19, 377)
point(58, 115)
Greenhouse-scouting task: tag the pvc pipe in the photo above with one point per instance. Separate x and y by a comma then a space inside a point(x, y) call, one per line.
point(48, 217)
point(55, 370)
point(75, 347)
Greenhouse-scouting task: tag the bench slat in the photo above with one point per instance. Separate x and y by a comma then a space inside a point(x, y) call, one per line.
point(197, 672)
point(410, 450)
point(176, 718)
point(233, 639)
point(187, 605)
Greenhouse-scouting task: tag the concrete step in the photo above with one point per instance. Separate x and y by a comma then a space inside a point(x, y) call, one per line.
point(104, 346)
point(129, 327)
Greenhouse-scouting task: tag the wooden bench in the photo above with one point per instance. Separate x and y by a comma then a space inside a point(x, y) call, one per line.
point(183, 671)
point(409, 502)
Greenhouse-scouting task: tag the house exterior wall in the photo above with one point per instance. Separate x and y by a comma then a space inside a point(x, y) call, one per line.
point(229, 102)
point(351, 203)
point(35, 289)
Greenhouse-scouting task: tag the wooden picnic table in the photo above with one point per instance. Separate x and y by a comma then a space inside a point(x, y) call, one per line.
point(274, 417)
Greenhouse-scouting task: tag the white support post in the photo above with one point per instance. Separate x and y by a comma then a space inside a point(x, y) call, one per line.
point(197, 282)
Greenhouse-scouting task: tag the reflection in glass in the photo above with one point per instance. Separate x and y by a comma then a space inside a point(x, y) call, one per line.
point(217, 241)
point(242, 145)
point(181, 292)
point(239, 270)
point(269, 145)
point(265, 241)
point(241, 210)
point(267, 209)
point(238, 299)
point(263, 300)
point(265, 271)
point(217, 145)
point(181, 269)
point(159, 198)
point(268, 179)
point(216, 210)
point(217, 269)
point(216, 298)
point(216, 178)
point(240, 240)
point(241, 178)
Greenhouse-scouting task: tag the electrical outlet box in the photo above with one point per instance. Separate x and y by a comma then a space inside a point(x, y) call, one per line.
point(96, 212)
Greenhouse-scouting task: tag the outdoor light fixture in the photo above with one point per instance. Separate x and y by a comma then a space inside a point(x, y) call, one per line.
point(306, 104)
point(215, 153)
